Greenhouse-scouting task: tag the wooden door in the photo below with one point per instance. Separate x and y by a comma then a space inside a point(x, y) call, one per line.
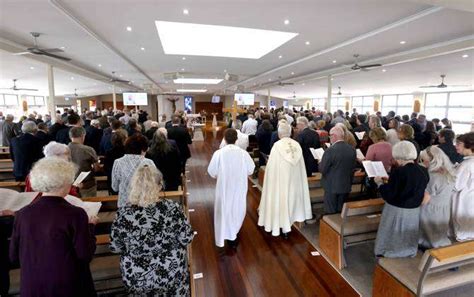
point(210, 108)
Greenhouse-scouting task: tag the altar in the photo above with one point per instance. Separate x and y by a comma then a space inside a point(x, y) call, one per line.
point(197, 132)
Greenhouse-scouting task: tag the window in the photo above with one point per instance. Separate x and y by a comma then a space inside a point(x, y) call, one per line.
point(2, 101)
point(35, 100)
point(400, 104)
point(338, 103)
point(11, 100)
point(456, 106)
point(363, 104)
point(319, 103)
point(39, 101)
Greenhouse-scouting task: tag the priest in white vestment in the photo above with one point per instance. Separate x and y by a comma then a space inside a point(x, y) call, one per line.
point(285, 196)
point(231, 166)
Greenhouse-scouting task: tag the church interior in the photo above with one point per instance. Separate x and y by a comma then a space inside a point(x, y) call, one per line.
point(217, 95)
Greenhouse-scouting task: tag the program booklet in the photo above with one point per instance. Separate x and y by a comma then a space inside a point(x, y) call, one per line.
point(317, 153)
point(374, 168)
point(80, 178)
point(91, 208)
point(13, 200)
point(360, 135)
point(360, 155)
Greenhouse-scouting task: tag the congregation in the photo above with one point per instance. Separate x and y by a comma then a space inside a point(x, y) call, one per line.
point(427, 191)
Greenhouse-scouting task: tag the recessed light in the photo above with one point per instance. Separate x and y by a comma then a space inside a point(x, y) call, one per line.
point(269, 79)
point(142, 48)
point(225, 70)
point(292, 73)
point(121, 75)
point(307, 43)
point(332, 78)
point(183, 58)
point(32, 68)
point(302, 84)
point(185, 11)
point(384, 70)
point(129, 29)
point(334, 61)
point(100, 65)
point(188, 39)
point(72, 77)
point(191, 90)
point(465, 56)
point(286, 22)
point(403, 42)
point(182, 69)
point(280, 56)
point(197, 81)
point(62, 47)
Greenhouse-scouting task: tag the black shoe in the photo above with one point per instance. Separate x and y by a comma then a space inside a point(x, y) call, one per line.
point(234, 243)
point(284, 235)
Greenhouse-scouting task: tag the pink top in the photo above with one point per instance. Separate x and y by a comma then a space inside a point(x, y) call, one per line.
point(381, 151)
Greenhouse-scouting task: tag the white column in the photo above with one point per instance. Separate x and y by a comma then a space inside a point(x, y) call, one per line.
point(329, 93)
point(268, 99)
point(114, 98)
point(50, 101)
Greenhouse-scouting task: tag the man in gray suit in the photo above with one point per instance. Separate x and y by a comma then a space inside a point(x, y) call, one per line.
point(337, 166)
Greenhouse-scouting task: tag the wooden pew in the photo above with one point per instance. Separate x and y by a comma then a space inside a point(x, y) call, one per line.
point(101, 183)
point(13, 185)
point(425, 274)
point(357, 223)
point(6, 163)
point(6, 174)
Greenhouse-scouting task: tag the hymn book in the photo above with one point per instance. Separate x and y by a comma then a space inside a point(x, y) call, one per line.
point(14, 200)
point(374, 168)
point(317, 153)
point(360, 135)
point(80, 178)
point(91, 208)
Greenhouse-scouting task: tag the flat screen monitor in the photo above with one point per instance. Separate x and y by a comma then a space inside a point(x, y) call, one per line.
point(273, 104)
point(135, 99)
point(188, 104)
point(216, 99)
point(244, 98)
point(285, 104)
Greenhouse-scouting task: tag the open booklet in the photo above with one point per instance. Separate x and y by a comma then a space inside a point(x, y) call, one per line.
point(360, 135)
point(80, 178)
point(374, 168)
point(360, 155)
point(15, 201)
point(317, 153)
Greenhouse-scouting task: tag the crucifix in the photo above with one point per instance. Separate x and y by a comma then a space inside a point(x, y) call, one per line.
point(173, 102)
point(234, 110)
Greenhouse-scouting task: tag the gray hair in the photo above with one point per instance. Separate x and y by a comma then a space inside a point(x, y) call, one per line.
point(404, 150)
point(29, 127)
point(163, 131)
point(76, 132)
point(154, 125)
point(52, 174)
point(338, 131)
point(55, 149)
point(302, 120)
point(237, 124)
point(284, 130)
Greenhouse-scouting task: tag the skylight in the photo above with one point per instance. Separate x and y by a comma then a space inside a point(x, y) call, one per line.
point(189, 39)
point(197, 81)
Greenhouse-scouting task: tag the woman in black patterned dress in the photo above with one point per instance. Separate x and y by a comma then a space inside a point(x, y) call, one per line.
point(152, 234)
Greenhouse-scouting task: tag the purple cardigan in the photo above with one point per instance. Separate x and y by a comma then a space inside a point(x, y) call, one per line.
point(53, 243)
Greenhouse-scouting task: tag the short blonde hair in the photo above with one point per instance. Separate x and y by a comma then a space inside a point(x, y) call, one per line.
point(52, 174)
point(146, 185)
point(377, 134)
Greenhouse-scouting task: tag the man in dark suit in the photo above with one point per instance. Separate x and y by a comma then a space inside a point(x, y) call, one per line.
point(307, 138)
point(25, 150)
point(182, 138)
point(445, 138)
point(94, 135)
point(337, 167)
point(42, 134)
point(62, 136)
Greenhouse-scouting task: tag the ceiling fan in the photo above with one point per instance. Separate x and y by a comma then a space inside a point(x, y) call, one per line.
point(75, 95)
point(356, 66)
point(36, 50)
point(293, 97)
point(442, 84)
point(339, 93)
point(282, 83)
point(15, 88)
point(114, 79)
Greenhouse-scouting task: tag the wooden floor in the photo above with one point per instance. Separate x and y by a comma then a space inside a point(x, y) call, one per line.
point(263, 265)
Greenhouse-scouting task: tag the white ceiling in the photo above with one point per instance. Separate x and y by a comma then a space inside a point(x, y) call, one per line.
point(324, 24)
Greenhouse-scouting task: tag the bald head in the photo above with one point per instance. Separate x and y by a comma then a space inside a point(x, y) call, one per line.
point(336, 134)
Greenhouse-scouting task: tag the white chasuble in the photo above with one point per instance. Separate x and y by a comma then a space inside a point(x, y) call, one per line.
point(231, 166)
point(285, 196)
point(462, 212)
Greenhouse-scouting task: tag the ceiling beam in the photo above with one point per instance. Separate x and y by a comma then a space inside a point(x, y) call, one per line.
point(348, 42)
point(430, 51)
point(61, 8)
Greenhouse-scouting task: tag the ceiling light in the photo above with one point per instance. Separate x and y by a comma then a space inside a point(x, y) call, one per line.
point(72, 77)
point(302, 84)
point(183, 58)
point(129, 29)
point(142, 48)
point(185, 11)
point(403, 42)
point(307, 43)
point(225, 70)
point(182, 69)
point(32, 68)
point(332, 78)
point(269, 79)
point(334, 61)
point(292, 73)
point(286, 22)
point(62, 47)
point(121, 75)
point(384, 70)
point(280, 56)
point(191, 90)
point(197, 81)
point(465, 56)
point(100, 65)
point(189, 39)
